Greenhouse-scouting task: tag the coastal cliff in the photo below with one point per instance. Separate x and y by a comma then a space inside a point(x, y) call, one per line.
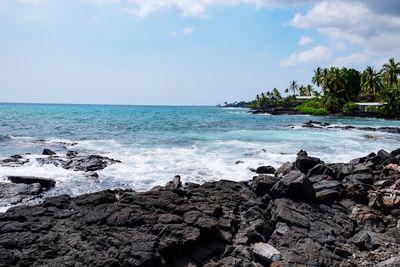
point(306, 213)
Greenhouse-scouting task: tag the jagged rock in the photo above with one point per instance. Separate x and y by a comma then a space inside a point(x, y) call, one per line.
point(365, 178)
point(321, 169)
point(262, 184)
point(13, 194)
point(284, 169)
point(385, 199)
point(48, 152)
point(305, 163)
point(266, 252)
point(356, 190)
point(369, 240)
point(265, 170)
point(392, 262)
point(175, 183)
point(44, 182)
point(13, 161)
point(293, 185)
point(72, 154)
point(318, 219)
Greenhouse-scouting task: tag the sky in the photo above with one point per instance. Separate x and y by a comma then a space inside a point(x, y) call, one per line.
point(183, 52)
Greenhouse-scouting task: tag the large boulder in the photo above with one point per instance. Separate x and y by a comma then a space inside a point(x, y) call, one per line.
point(327, 190)
point(262, 184)
point(305, 163)
point(265, 170)
point(44, 182)
point(293, 185)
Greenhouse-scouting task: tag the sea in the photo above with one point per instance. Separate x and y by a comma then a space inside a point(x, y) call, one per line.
point(155, 143)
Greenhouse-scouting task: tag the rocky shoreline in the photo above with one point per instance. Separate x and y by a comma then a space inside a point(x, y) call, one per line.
point(306, 213)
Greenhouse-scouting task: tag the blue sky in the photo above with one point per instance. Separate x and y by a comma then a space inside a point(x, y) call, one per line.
point(183, 52)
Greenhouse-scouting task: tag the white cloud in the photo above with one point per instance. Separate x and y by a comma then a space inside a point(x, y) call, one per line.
point(351, 60)
point(194, 8)
point(316, 54)
point(356, 25)
point(188, 30)
point(305, 40)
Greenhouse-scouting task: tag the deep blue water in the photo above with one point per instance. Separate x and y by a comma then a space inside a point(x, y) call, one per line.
point(156, 142)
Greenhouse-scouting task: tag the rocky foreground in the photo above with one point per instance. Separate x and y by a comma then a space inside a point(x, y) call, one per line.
point(306, 213)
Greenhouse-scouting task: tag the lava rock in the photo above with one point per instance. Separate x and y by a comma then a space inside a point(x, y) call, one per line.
point(48, 152)
point(262, 184)
point(305, 163)
point(265, 170)
point(293, 185)
point(44, 182)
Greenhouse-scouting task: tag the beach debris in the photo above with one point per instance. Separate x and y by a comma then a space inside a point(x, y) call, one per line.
point(266, 252)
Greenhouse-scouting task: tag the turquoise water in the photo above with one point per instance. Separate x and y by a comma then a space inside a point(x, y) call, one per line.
point(155, 143)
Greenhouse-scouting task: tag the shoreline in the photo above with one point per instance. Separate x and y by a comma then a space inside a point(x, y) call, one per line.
point(277, 112)
point(288, 217)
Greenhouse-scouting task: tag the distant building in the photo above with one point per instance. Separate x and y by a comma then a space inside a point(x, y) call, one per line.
point(299, 97)
point(363, 106)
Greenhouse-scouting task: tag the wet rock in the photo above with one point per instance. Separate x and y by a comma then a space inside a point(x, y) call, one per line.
point(265, 170)
point(89, 163)
point(72, 154)
point(239, 162)
point(13, 161)
point(48, 152)
point(175, 183)
point(44, 182)
point(293, 185)
point(13, 194)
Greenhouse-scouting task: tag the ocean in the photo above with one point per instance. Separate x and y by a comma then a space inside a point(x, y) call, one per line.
point(155, 143)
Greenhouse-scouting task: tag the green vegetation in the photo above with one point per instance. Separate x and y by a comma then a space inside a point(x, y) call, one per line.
point(349, 108)
point(312, 106)
point(339, 89)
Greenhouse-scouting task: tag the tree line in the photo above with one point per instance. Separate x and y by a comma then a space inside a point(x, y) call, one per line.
point(339, 88)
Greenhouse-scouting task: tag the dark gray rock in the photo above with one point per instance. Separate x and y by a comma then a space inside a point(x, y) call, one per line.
point(321, 169)
point(44, 182)
point(48, 152)
point(175, 183)
point(293, 185)
point(262, 184)
point(306, 163)
point(284, 169)
point(265, 170)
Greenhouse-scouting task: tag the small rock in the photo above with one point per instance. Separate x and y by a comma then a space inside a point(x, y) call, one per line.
point(266, 252)
point(239, 162)
point(48, 152)
point(175, 183)
point(72, 154)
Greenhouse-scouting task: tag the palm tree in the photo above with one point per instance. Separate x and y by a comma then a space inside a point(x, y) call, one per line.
point(337, 81)
point(390, 72)
point(325, 81)
point(310, 89)
point(317, 78)
point(294, 86)
point(371, 83)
